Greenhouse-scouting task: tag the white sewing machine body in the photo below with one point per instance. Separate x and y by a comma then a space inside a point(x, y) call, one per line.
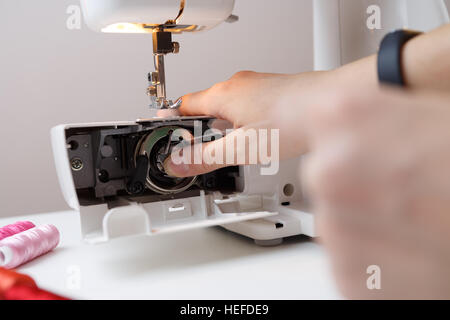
point(264, 208)
point(140, 16)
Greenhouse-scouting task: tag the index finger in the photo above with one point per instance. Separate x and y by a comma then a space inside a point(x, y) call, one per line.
point(199, 104)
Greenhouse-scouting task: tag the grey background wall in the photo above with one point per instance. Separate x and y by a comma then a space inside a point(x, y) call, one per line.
point(51, 75)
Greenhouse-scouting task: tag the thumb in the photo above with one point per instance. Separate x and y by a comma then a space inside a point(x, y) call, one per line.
point(240, 147)
point(188, 170)
point(197, 159)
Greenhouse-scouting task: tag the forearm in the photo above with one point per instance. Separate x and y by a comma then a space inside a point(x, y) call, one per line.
point(426, 60)
point(426, 63)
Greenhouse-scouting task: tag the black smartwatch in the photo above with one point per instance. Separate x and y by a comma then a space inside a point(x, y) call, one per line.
point(390, 69)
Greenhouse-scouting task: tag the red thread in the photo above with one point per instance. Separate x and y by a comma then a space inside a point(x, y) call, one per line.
point(29, 293)
point(10, 278)
point(17, 286)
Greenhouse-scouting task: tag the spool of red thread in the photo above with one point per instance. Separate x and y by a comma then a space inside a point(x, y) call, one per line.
point(16, 286)
point(10, 279)
point(30, 293)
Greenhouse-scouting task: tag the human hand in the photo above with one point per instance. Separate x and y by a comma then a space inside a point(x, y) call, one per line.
point(378, 174)
point(250, 101)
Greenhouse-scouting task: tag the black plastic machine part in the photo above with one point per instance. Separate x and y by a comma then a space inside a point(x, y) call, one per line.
point(111, 167)
point(389, 63)
point(136, 184)
point(162, 42)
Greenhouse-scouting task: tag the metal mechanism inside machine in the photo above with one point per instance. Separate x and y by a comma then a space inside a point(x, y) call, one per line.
point(151, 152)
point(162, 45)
point(128, 161)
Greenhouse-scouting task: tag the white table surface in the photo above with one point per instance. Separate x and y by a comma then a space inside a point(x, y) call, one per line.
point(209, 263)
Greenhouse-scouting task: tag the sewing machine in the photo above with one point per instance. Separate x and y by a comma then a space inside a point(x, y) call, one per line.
point(112, 173)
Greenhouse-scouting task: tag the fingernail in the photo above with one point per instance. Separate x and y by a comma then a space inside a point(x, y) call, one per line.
point(176, 170)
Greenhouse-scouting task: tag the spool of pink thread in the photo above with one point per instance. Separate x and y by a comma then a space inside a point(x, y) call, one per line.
point(27, 245)
point(12, 229)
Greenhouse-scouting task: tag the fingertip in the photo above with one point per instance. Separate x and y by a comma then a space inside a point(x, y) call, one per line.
point(198, 104)
point(176, 170)
point(189, 105)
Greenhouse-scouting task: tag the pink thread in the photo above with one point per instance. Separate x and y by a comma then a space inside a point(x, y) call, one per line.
point(12, 229)
point(27, 245)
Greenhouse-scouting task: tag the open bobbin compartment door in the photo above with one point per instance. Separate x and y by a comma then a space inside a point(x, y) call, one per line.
point(95, 163)
point(100, 224)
